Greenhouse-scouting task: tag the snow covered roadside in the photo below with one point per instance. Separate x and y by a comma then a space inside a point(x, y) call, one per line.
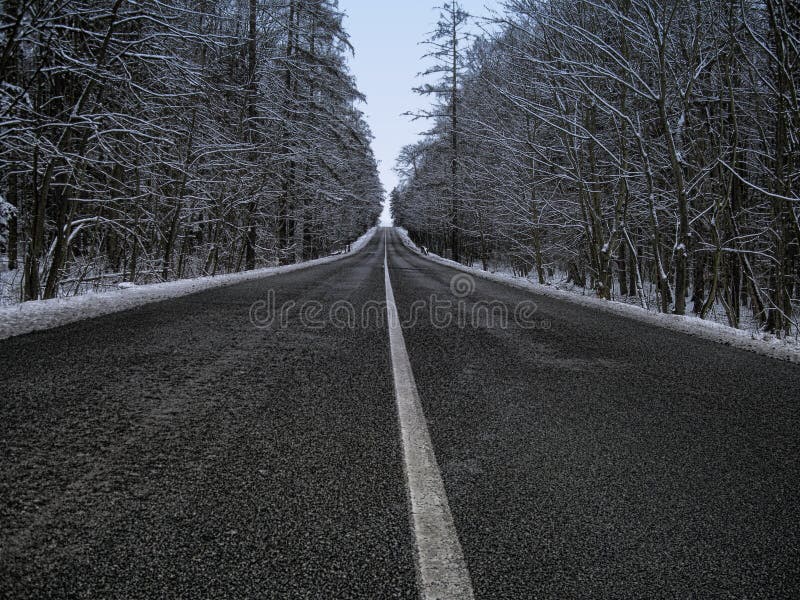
point(765, 344)
point(26, 317)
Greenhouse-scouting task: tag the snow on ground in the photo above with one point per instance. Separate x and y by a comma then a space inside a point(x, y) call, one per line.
point(761, 343)
point(25, 317)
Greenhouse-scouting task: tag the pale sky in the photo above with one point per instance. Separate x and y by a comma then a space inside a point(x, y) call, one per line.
point(386, 35)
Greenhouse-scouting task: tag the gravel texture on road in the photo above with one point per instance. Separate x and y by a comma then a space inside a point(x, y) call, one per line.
point(176, 450)
point(601, 457)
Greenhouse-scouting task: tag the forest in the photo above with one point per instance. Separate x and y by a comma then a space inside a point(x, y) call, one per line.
point(161, 139)
point(643, 150)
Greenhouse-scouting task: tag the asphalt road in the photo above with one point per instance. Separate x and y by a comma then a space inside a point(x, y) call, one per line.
point(177, 450)
point(602, 457)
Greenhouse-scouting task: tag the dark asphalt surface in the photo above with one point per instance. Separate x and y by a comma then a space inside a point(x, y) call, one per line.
point(605, 458)
point(178, 451)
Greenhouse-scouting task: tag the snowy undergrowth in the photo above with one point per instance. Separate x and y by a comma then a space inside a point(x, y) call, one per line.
point(759, 342)
point(26, 317)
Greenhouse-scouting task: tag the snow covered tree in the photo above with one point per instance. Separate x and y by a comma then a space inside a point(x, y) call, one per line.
point(636, 147)
point(447, 47)
point(159, 139)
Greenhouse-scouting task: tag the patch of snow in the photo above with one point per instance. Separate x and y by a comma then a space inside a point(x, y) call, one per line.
point(37, 315)
point(760, 343)
point(363, 240)
point(6, 212)
point(407, 240)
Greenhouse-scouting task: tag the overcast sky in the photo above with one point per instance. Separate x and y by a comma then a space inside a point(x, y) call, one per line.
point(386, 35)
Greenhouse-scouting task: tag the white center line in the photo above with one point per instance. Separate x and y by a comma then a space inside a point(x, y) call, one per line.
point(441, 570)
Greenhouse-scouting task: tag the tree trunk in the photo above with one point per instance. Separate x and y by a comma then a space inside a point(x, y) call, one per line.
point(455, 240)
point(251, 237)
point(13, 223)
point(622, 275)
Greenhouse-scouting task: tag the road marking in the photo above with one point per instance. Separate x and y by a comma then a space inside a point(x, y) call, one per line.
point(441, 570)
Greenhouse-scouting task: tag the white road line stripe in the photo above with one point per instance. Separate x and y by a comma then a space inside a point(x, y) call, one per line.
point(441, 569)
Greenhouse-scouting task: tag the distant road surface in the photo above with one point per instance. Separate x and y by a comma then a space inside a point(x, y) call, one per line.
point(192, 448)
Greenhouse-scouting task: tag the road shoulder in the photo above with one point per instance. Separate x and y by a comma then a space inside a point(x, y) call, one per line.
point(40, 315)
point(787, 350)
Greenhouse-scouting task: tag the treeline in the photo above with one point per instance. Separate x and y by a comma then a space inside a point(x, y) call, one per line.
point(161, 139)
point(644, 148)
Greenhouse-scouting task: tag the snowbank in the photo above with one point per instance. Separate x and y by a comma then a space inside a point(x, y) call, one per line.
point(765, 344)
point(44, 314)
